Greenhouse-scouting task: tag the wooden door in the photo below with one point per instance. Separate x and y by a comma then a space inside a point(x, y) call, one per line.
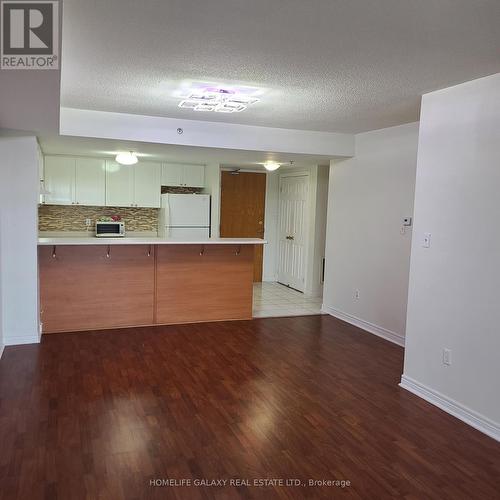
point(292, 230)
point(243, 199)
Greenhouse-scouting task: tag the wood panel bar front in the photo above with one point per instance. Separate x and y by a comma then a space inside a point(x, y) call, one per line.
point(196, 283)
point(92, 287)
point(96, 286)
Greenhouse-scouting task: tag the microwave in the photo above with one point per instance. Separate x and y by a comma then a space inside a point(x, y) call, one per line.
point(109, 229)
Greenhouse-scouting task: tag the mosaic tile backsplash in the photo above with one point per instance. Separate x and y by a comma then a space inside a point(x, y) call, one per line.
point(72, 218)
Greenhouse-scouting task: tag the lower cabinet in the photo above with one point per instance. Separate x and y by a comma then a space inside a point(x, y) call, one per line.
point(196, 283)
point(86, 287)
point(91, 287)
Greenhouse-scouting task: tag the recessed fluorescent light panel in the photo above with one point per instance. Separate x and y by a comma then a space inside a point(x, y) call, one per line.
point(219, 99)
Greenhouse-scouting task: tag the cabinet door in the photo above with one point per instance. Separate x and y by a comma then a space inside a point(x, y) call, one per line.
point(194, 175)
point(119, 185)
point(172, 174)
point(147, 186)
point(60, 180)
point(90, 182)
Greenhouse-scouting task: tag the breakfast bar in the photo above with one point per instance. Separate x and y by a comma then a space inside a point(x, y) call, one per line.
point(102, 283)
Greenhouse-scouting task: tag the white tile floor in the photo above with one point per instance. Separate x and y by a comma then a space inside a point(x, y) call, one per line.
point(273, 300)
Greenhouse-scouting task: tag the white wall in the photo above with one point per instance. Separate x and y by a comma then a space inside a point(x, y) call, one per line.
point(318, 239)
point(368, 197)
point(18, 226)
point(454, 294)
point(157, 129)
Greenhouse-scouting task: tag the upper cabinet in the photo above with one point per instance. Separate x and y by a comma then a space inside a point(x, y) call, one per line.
point(133, 185)
point(74, 181)
point(59, 180)
point(90, 178)
point(176, 174)
point(147, 185)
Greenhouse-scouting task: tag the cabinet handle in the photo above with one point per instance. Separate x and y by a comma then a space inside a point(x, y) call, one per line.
point(54, 256)
point(202, 251)
point(238, 250)
point(108, 252)
point(149, 251)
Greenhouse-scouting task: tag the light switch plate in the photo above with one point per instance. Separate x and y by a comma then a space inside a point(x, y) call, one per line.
point(426, 242)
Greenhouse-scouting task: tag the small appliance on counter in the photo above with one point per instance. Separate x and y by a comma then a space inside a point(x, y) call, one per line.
point(109, 229)
point(184, 216)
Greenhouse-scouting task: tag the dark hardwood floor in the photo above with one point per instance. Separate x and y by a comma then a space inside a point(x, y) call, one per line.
point(98, 415)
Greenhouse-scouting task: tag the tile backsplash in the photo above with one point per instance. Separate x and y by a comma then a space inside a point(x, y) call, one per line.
point(72, 218)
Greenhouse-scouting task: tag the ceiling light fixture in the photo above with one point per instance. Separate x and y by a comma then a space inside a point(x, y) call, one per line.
point(271, 165)
point(128, 158)
point(220, 100)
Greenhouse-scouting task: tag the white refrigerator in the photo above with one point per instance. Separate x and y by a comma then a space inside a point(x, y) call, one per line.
point(184, 216)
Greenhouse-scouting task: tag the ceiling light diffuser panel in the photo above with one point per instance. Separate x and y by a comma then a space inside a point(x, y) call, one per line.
point(217, 99)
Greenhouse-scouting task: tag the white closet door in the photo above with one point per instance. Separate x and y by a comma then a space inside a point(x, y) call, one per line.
point(119, 185)
point(59, 180)
point(293, 204)
point(147, 186)
point(90, 182)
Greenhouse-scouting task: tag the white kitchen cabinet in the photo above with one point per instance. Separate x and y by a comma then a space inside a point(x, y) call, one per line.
point(176, 174)
point(90, 182)
point(74, 181)
point(133, 185)
point(194, 175)
point(171, 174)
point(119, 184)
point(147, 186)
point(59, 178)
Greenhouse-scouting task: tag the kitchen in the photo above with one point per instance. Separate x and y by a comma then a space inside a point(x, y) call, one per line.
point(125, 242)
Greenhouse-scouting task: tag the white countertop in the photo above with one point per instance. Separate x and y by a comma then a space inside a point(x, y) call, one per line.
point(86, 240)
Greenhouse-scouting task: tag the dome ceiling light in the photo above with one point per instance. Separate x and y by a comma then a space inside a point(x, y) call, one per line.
point(128, 158)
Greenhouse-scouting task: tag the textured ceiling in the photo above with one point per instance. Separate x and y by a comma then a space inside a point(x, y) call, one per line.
point(329, 65)
point(83, 146)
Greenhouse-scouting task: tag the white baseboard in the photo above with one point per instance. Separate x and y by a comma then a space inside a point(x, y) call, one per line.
point(28, 339)
point(470, 417)
point(380, 331)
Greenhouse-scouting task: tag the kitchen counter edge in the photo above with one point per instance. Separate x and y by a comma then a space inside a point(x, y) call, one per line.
point(148, 241)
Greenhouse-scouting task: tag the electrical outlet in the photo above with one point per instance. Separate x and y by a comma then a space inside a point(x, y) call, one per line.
point(447, 357)
point(407, 221)
point(356, 294)
point(88, 222)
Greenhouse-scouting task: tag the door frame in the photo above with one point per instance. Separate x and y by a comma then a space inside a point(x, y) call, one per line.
point(298, 173)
